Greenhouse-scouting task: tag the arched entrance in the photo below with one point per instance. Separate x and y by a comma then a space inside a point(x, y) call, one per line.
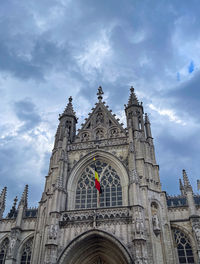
point(95, 247)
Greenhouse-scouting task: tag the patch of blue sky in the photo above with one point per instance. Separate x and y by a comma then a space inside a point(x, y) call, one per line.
point(191, 67)
point(178, 76)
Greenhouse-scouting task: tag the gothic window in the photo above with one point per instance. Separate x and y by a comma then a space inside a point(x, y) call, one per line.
point(3, 250)
point(184, 250)
point(26, 252)
point(86, 193)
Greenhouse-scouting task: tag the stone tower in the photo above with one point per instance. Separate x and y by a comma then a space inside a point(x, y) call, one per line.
point(131, 221)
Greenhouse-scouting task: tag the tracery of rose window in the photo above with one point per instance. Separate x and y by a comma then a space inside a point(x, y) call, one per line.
point(86, 193)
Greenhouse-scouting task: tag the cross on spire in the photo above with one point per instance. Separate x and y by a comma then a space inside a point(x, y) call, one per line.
point(100, 93)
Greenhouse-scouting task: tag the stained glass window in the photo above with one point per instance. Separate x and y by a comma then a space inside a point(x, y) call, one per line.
point(26, 252)
point(86, 193)
point(184, 249)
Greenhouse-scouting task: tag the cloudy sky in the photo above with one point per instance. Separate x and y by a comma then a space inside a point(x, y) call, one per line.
point(51, 49)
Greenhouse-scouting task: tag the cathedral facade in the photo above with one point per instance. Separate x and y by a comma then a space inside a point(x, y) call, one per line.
point(131, 221)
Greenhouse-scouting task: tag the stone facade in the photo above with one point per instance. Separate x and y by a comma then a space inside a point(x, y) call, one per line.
point(131, 221)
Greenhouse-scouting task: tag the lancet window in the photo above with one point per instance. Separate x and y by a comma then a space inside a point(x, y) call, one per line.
point(87, 195)
point(26, 252)
point(3, 250)
point(184, 250)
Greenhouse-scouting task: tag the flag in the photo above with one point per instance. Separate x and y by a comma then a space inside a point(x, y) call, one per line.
point(97, 182)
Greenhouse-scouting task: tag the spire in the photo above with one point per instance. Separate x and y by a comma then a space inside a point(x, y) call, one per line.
point(69, 111)
point(186, 182)
point(147, 119)
point(100, 93)
point(24, 198)
point(2, 201)
point(198, 185)
point(181, 187)
point(13, 209)
point(133, 98)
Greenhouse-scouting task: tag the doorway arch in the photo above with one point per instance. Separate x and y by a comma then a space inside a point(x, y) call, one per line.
point(95, 247)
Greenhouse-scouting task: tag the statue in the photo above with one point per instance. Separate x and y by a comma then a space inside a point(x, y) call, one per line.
point(53, 230)
point(12, 245)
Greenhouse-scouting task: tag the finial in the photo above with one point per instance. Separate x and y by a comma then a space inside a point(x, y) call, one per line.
point(100, 93)
point(198, 185)
point(133, 98)
point(181, 187)
point(69, 111)
point(24, 197)
point(132, 89)
point(186, 182)
point(11, 214)
point(15, 202)
point(2, 201)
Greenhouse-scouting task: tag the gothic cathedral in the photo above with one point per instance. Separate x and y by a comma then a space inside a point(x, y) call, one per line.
point(130, 221)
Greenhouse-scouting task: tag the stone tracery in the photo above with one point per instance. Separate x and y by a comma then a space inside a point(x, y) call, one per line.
point(3, 250)
point(184, 250)
point(86, 193)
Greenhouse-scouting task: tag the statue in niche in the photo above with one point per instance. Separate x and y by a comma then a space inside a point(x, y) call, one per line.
point(196, 229)
point(53, 230)
point(99, 118)
point(99, 134)
point(13, 241)
point(85, 137)
point(155, 222)
point(114, 133)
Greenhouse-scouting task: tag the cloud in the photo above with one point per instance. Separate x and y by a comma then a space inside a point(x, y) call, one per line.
point(50, 50)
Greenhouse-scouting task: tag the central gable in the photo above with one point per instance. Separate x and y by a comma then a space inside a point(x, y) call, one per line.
point(101, 124)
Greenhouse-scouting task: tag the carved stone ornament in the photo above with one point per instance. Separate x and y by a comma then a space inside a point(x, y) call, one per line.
point(101, 143)
point(53, 232)
point(13, 241)
point(196, 229)
point(156, 224)
point(99, 118)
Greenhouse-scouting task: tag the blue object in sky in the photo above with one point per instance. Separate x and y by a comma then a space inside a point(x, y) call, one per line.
point(191, 67)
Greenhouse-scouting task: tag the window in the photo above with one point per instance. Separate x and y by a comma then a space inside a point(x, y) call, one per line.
point(184, 250)
point(3, 250)
point(86, 193)
point(26, 252)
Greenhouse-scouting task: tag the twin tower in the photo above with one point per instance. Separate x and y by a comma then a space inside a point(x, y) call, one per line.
point(131, 221)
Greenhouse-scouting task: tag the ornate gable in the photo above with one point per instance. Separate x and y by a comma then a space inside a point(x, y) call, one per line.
point(101, 123)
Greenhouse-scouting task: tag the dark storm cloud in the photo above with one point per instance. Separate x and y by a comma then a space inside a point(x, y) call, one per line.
point(27, 112)
point(53, 49)
point(186, 96)
point(176, 155)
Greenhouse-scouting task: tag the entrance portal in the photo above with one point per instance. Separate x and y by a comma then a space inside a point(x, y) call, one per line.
point(95, 247)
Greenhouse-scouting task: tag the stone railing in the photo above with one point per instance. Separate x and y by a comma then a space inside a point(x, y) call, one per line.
point(95, 215)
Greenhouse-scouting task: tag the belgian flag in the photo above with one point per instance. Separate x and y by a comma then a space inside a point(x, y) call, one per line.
point(97, 182)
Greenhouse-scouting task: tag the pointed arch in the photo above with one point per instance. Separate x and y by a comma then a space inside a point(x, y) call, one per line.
point(88, 160)
point(93, 245)
point(25, 250)
point(184, 245)
point(3, 250)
